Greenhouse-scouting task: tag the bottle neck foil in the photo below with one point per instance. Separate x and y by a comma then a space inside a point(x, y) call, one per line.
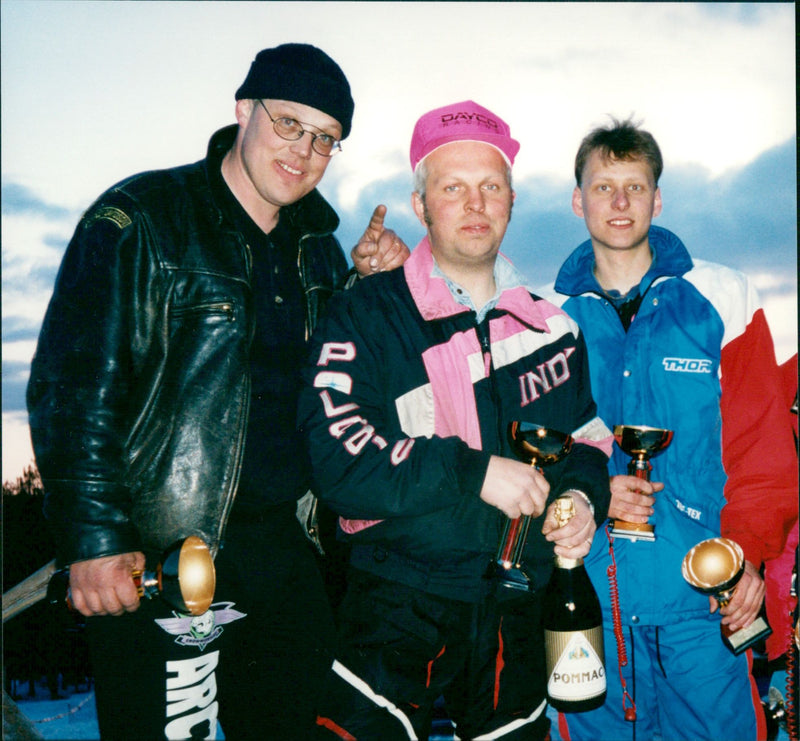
point(562, 562)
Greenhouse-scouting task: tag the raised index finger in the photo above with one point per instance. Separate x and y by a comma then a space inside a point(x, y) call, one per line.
point(375, 228)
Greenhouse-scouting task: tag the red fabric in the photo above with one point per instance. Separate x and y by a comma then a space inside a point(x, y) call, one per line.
point(430, 666)
point(758, 452)
point(789, 377)
point(563, 728)
point(500, 663)
point(778, 571)
point(761, 720)
point(338, 730)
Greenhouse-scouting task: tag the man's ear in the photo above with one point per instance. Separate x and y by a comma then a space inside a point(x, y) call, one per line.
point(244, 109)
point(657, 205)
point(419, 208)
point(577, 202)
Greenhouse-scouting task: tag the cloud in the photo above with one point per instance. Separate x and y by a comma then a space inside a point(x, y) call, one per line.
point(18, 199)
point(35, 232)
point(17, 450)
point(34, 239)
point(781, 311)
point(557, 69)
point(551, 69)
point(15, 380)
point(745, 218)
point(749, 13)
point(715, 82)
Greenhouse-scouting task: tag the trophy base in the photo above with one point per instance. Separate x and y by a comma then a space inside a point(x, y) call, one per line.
point(511, 578)
point(744, 638)
point(632, 530)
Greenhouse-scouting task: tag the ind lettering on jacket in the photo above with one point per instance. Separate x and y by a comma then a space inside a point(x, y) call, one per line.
point(545, 377)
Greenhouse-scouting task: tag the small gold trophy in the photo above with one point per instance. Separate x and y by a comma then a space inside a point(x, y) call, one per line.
point(714, 567)
point(185, 577)
point(641, 443)
point(538, 446)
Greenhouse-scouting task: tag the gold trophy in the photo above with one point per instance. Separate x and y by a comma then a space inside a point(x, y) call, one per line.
point(641, 443)
point(538, 446)
point(185, 577)
point(714, 567)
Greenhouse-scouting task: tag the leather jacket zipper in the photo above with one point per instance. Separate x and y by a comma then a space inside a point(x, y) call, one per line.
point(222, 308)
point(240, 442)
point(307, 313)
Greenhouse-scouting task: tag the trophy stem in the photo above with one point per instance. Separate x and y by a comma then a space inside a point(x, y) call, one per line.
point(515, 533)
point(724, 597)
point(147, 583)
point(640, 467)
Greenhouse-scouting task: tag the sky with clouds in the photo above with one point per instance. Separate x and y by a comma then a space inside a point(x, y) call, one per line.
point(93, 91)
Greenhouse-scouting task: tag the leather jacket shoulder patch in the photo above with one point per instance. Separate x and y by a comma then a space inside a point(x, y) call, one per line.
point(112, 213)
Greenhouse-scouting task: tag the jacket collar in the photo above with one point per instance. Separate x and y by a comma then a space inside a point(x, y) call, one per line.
point(434, 299)
point(312, 214)
point(670, 259)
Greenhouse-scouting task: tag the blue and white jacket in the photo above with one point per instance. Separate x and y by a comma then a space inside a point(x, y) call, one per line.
point(697, 359)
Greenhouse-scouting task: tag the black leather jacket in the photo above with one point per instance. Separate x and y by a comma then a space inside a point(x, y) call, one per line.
point(139, 389)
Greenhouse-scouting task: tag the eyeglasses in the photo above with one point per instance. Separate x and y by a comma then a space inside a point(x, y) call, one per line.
point(292, 130)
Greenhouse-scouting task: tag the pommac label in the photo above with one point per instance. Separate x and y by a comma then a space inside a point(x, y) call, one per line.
point(577, 664)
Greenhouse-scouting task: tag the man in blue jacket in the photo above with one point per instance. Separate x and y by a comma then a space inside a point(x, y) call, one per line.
point(677, 344)
point(415, 377)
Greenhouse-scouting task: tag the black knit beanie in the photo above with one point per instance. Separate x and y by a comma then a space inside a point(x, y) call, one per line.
point(300, 73)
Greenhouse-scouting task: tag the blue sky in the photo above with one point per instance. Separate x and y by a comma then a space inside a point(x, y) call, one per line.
point(93, 91)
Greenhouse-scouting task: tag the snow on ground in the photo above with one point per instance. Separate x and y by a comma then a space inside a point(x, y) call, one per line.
point(71, 719)
point(74, 718)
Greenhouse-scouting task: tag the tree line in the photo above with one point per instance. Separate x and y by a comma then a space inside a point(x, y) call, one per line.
point(45, 643)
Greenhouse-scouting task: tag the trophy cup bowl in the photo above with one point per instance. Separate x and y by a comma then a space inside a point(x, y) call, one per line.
point(641, 443)
point(715, 566)
point(539, 446)
point(185, 578)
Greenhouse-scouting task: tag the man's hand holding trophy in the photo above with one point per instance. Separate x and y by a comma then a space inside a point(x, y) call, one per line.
point(539, 446)
point(717, 567)
point(641, 443)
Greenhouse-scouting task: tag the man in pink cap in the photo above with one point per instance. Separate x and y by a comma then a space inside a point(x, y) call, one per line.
point(414, 377)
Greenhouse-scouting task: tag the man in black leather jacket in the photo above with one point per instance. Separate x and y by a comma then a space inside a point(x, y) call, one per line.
point(162, 404)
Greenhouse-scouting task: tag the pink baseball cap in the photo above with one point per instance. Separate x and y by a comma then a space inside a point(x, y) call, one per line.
point(458, 122)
